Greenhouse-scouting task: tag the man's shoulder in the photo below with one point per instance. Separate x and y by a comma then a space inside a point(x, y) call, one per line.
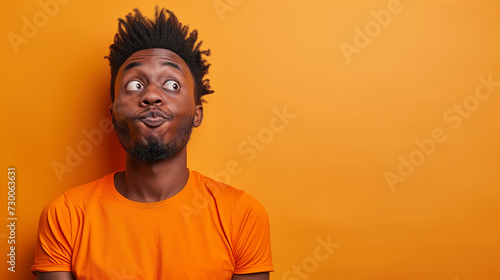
point(217, 188)
point(85, 193)
point(225, 192)
point(90, 187)
point(74, 200)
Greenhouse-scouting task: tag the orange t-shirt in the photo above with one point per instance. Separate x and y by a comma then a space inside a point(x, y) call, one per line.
point(209, 230)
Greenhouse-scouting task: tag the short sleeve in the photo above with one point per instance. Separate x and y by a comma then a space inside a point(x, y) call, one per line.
point(53, 250)
point(251, 238)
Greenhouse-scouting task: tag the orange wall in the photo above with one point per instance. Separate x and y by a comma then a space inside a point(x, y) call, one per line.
point(389, 149)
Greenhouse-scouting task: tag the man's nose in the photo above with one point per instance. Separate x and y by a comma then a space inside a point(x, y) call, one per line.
point(152, 95)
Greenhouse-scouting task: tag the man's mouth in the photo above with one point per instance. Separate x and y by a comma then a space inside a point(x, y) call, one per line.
point(154, 118)
point(153, 122)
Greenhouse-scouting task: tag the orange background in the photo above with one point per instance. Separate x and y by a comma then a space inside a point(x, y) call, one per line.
point(322, 174)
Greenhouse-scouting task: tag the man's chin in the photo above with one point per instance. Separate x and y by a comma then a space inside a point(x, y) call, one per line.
point(154, 151)
point(152, 147)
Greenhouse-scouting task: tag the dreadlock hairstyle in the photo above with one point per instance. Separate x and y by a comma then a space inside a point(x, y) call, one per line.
point(137, 32)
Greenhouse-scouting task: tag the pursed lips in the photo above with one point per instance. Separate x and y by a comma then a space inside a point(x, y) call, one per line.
point(154, 118)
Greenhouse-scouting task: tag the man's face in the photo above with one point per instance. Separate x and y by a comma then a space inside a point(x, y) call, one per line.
point(154, 108)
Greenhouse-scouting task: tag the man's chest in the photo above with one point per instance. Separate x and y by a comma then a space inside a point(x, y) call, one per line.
point(152, 245)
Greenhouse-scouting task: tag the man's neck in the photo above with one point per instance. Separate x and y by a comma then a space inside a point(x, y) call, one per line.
point(144, 182)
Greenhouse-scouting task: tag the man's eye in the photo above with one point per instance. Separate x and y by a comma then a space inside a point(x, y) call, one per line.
point(172, 85)
point(134, 85)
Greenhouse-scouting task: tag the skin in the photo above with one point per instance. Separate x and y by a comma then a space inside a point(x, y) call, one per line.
point(141, 181)
point(60, 275)
point(151, 182)
point(57, 275)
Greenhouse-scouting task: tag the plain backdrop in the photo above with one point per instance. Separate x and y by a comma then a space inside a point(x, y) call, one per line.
point(369, 125)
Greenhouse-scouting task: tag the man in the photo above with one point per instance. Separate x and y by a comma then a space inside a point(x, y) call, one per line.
point(156, 219)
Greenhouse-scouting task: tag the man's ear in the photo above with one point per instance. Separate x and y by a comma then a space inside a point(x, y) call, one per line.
point(112, 115)
point(198, 115)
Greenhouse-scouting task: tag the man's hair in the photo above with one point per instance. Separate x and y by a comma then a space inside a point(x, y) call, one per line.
point(137, 32)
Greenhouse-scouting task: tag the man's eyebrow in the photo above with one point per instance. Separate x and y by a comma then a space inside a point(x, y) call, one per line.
point(130, 65)
point(168, 63)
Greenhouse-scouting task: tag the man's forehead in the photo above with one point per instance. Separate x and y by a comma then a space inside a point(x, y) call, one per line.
point(155, 55)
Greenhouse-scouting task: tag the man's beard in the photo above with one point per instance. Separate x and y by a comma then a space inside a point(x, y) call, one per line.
point(154, 150)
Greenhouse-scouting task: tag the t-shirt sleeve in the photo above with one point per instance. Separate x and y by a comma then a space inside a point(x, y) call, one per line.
point(53, 249)
point(251, 239)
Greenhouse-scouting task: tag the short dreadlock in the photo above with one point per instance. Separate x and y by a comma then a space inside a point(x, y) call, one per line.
point(137, 32)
